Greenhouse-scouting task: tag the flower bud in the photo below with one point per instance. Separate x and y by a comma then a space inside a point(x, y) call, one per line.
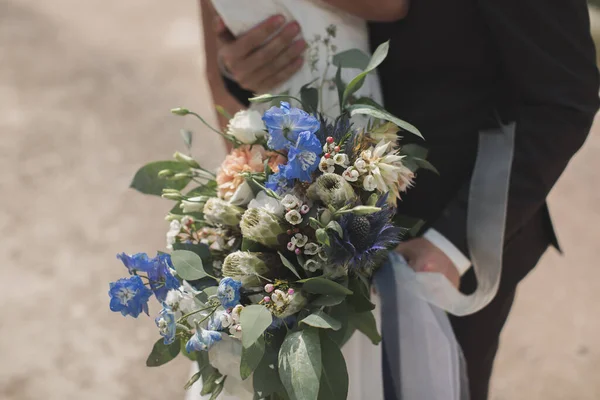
point(186, 159)
point(217, 211)
point(165, 173)
point(180, 111)
point(172, 196)
point(261, 226)
point(364, 210)
point(191, 206)
point(248, 267)
point(332, 189)
point(180, 176)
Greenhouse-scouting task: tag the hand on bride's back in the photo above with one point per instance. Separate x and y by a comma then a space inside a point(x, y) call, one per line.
point(258, 65)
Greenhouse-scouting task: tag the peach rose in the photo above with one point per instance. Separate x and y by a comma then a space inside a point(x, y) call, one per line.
point(244, 159)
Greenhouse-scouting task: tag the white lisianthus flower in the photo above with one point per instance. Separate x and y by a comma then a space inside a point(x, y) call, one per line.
point(267, 203)
point(191, 206)
point(247, 126)
point(351, 174)
point(369, 183)
point(341, 159)
point(327, 165)
point(293, 217)
point(290, 202)
point(174, 229)
point(242, 195)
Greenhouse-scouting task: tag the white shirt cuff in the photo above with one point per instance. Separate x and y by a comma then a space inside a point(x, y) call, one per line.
point(460, 261)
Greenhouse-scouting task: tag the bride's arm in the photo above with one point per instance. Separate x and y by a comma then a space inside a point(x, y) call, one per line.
point(373, 10)
point(218, 90)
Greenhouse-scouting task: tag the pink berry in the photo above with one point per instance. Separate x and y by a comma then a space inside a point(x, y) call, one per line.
point(329, 139)
point(298, 251)
point(336, 149)
point(291, 291)
point(327, 155)
point(267, 299)
point(289, 232)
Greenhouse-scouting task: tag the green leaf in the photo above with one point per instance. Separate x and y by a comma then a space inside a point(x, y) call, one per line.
point(322, 320)
point(300, 364)
point(360, 299)
point(251, 357)
point(328, 300)
point(334, 378)
point(341, 312)
point(413, 150)
point(162, 353)
point(336, 227)
point(209, 384)
point(193, 380)
point(202, 250)
point(322, 236)
point(368, 101)
point(288, 264)
point(217, 391)
point(266, 376)
point(424, 164)
point(255, 319)
point(188, 265)
point(209, 189)
point(252, 246)
point(266, 98)
point(341, 87)
point(187, 136)
point(193, 356)
point(363, 109)
point(355, 84)
point(320, 285)
point(365, 322)
point(353, 58)
point(310, 98)
point(146, 179)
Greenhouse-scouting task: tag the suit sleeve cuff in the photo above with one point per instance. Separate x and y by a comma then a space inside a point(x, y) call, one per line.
point(460, 261)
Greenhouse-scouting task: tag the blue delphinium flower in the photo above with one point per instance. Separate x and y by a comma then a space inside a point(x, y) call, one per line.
point(166, 324)
point(228, 292)
point(202, 340)
point(285, 124)
point(365, 238)
point(303, 158)
point(158, 270)
point(278, 182)
point(129, 296)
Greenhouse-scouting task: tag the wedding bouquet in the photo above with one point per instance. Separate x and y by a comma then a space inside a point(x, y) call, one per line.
point(271, 258)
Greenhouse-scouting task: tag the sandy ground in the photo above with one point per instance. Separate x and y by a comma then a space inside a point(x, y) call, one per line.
point(85, 89)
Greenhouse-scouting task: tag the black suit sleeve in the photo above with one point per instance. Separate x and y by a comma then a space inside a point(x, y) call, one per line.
point(237, 91)
point(548, 59)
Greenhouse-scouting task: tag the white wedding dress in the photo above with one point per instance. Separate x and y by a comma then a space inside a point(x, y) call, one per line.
point(430, 358)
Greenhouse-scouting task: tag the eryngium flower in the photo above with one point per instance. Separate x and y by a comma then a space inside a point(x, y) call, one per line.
point(366, 239)
point(217, 211)
point(332, 189)
point(261, 226)
point(249, 267)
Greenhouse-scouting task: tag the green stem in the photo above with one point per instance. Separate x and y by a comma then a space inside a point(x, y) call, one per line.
point(225, 136)
point(185, 317)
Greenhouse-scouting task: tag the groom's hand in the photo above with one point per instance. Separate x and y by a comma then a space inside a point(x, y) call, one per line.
point(424, 256)
point(264, 57)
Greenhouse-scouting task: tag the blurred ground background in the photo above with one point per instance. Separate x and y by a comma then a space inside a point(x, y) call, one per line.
point(85, 89)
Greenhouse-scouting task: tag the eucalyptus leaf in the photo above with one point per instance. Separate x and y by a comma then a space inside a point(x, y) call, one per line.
point(328, 300)
point(353, 58)
point(365, 322)
point(360, 299)
point(202, 250)
point(287, 263)
point(355, 84)
point(163, 353)
point(364, 109)
point(146, 179)
point(322, 320)
point(266, 375)
point(336, 227)
point(255, 319)
point(320, 285)
point(188, 265)
point(413, 150)
point(334, 377)
point(424, 164)
point(341, 312)
point(251, 357)
point(300, 364)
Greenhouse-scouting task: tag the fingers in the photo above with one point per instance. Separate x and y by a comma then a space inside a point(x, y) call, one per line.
point(250, 41)
point(279, 70)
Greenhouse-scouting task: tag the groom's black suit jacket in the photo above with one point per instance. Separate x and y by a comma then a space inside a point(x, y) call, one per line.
point(454, 64)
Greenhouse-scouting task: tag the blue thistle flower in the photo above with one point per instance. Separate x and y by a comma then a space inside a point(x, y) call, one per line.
point(338, 130)
point(166, 324)
point(285, 124)
point(202, 340)
point(129, 296)
point(303, 158)
point(228, 292)
point(366, 239)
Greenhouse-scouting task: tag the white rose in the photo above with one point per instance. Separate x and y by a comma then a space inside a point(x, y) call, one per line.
point(242, 196)
point(246, 126)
